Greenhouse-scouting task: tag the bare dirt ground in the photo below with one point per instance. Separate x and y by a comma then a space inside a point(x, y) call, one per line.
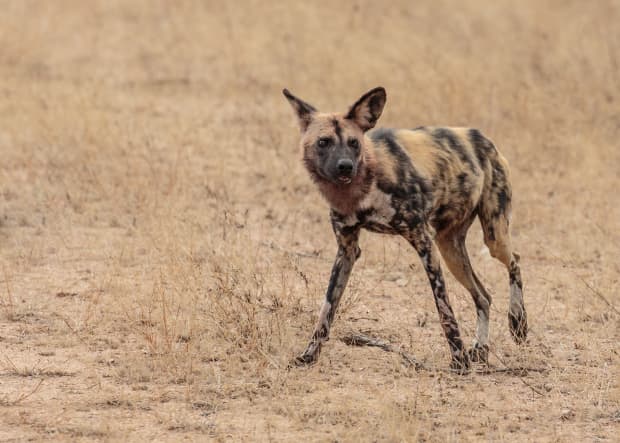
point(163, 252)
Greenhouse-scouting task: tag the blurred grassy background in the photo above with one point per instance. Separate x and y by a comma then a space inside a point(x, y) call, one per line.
point(163, 248)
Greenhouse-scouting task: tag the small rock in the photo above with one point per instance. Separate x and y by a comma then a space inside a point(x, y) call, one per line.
point(567, 414)
point(401, 282)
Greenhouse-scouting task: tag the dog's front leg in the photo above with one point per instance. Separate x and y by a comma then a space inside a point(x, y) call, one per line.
point(423, 244)
point(348, 252)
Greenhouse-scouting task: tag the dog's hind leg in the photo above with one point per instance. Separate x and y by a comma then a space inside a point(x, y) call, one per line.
point(454, 252)
point(348, 253)
point(500, 247)
point(494, 216)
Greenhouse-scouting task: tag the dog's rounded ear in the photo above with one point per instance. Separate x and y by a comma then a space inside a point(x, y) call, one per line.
point(367, 110)
point(304, 111)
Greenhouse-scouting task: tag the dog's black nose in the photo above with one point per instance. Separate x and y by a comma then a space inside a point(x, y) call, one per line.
point(345, 166)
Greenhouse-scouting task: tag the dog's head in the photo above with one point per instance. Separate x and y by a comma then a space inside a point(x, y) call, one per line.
point(333, 144)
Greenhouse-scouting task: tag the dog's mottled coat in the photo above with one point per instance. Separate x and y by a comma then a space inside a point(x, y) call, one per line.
point(426, 184)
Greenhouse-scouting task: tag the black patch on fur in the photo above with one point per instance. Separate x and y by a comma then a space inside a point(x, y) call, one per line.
point(321, 333)
point(375, 108)
point(490, 233)
point(338, 131)
point(482, 145)
point(515, 279)
point(502, 200)
point(518, 326)
point(514, 322)
point(499, 188)
point(349, 230)
point(445, 138)
point(340, 229)
point(406, 219)
point(363, 214)
point(499, 175)
point(358, 252)
point(336, 217)
point(442, 218)
point(333, 281)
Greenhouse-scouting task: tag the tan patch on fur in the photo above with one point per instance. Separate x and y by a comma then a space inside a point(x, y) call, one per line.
point(419, 147)
point(385, 163)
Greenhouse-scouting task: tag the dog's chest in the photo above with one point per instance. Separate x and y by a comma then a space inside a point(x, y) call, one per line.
point(376, 213)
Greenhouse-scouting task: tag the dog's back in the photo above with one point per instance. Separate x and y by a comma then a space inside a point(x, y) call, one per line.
point(465, 173)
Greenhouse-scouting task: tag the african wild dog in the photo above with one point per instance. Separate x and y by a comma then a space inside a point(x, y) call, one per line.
point(426, 184)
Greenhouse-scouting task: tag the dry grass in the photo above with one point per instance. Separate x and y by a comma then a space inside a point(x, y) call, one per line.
point(164, 253)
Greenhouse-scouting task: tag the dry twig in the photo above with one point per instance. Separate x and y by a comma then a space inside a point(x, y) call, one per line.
point(4, 400)
point(356, 339)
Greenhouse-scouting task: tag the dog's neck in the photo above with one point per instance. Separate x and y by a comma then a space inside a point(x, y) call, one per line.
point(346, 198)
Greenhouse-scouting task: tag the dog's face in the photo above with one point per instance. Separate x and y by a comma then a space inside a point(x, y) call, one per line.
point(333, 144)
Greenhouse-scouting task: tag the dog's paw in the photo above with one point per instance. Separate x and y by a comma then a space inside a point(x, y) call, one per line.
point(518, 326)
point(479, 353)
point(460, 362)
point(303, 360)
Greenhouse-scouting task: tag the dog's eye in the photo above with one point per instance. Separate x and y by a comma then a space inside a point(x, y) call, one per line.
point(354, 143)
point(323, 142)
